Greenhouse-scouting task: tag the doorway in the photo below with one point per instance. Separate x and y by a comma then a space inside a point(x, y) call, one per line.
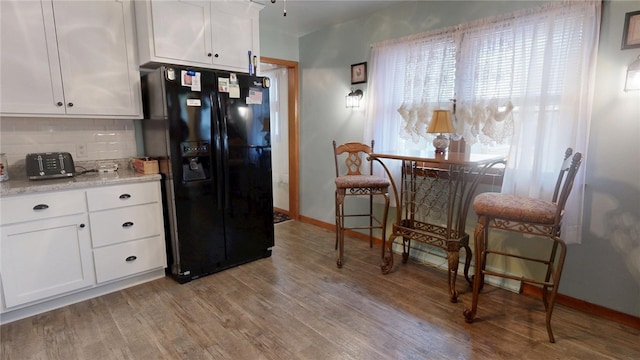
point(285, 133)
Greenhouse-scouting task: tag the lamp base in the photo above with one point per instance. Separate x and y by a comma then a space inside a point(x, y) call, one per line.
point(441, 143)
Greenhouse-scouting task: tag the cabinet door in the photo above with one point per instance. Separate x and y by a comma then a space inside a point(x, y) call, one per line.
point(29, 67)
point(98, 58)
point(45, 258)
point(182, 30)
point(235, 31)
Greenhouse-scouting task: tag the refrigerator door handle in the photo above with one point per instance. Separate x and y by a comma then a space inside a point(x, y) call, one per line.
point(225, 149)
point(218, 147)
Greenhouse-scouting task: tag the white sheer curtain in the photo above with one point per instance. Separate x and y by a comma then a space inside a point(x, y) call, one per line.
point(409, 79)
point(555, 56)
point(386, 96)
point(523, 79)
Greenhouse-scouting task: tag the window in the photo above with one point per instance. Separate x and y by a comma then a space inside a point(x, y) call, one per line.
point(522, 84)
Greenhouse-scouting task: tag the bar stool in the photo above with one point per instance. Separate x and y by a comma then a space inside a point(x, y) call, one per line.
point(355, 183)
point(530, 216)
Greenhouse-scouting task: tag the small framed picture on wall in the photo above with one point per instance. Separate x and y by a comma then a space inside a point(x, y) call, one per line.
point(359, 73)
point(631, 30)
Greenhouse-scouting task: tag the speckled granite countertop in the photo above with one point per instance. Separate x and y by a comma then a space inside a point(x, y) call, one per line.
point(18, 184)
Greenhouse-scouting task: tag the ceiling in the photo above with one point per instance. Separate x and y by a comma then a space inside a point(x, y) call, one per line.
point(306, 16)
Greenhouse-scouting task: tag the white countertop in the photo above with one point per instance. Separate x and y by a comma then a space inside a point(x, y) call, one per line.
point(20, 185)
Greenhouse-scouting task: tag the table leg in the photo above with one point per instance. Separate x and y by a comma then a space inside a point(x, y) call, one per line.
point(387, 255)
point(453, 257)
point(468, 255)
point(406, 246)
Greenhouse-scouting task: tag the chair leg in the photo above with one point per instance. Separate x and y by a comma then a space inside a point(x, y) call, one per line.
point(480, 238)
point(339, 229)
point(341, 237)
point(384, 221)
point(550, 272)
point(556, 282)
point(370, 220)
point(337, 219)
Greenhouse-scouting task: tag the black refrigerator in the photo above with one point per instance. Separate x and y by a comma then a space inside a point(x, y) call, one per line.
point(210, 132)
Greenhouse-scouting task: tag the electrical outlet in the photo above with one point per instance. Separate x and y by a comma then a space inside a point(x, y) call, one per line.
point(81, 150)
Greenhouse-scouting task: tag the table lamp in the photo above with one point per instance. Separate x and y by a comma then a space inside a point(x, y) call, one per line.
point(441, 124)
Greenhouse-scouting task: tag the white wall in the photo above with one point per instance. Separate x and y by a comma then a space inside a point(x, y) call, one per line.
point(605, 268)
point(277, 45)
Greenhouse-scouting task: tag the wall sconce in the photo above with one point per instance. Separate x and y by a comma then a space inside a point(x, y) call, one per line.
point(633, 76)
point(441, 124)
point(353, 98)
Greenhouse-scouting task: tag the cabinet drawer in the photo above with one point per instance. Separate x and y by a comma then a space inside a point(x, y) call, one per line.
point(130, 223)
point(129, 258)
point(122, 195)
point(41, 206)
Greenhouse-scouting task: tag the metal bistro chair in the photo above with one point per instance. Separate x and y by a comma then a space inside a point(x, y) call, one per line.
point(529, 216)
point(354, 183)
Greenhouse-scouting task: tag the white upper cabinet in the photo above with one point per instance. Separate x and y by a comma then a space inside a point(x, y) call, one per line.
point(211, 34)
point(235, 30)
point(181, 30)
point(29, 66)
point(69, 58)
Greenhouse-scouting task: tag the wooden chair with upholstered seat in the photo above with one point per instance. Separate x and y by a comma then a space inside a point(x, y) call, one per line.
point(531, 216)
point(357, 183)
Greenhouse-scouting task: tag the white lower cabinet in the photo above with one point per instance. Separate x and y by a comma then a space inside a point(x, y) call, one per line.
point(62, 247)
point(45, 258)
point(126, 229)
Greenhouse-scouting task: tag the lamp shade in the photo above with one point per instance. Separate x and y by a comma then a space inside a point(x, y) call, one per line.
point(441, 122)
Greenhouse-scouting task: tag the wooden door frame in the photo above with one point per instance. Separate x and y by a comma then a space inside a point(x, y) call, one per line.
point(294, 131)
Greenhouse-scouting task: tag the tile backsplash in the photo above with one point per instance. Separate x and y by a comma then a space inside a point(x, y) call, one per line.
point(84, 139)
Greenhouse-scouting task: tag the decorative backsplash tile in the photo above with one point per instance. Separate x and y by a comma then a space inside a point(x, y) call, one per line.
point(84, 139)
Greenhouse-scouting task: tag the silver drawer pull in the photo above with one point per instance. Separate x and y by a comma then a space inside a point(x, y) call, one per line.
point(41, 207)
point(127, 224)
point(131, 258)
point(125, 196)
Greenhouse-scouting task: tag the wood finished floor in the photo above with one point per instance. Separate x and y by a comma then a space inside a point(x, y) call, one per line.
point(298, 305)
